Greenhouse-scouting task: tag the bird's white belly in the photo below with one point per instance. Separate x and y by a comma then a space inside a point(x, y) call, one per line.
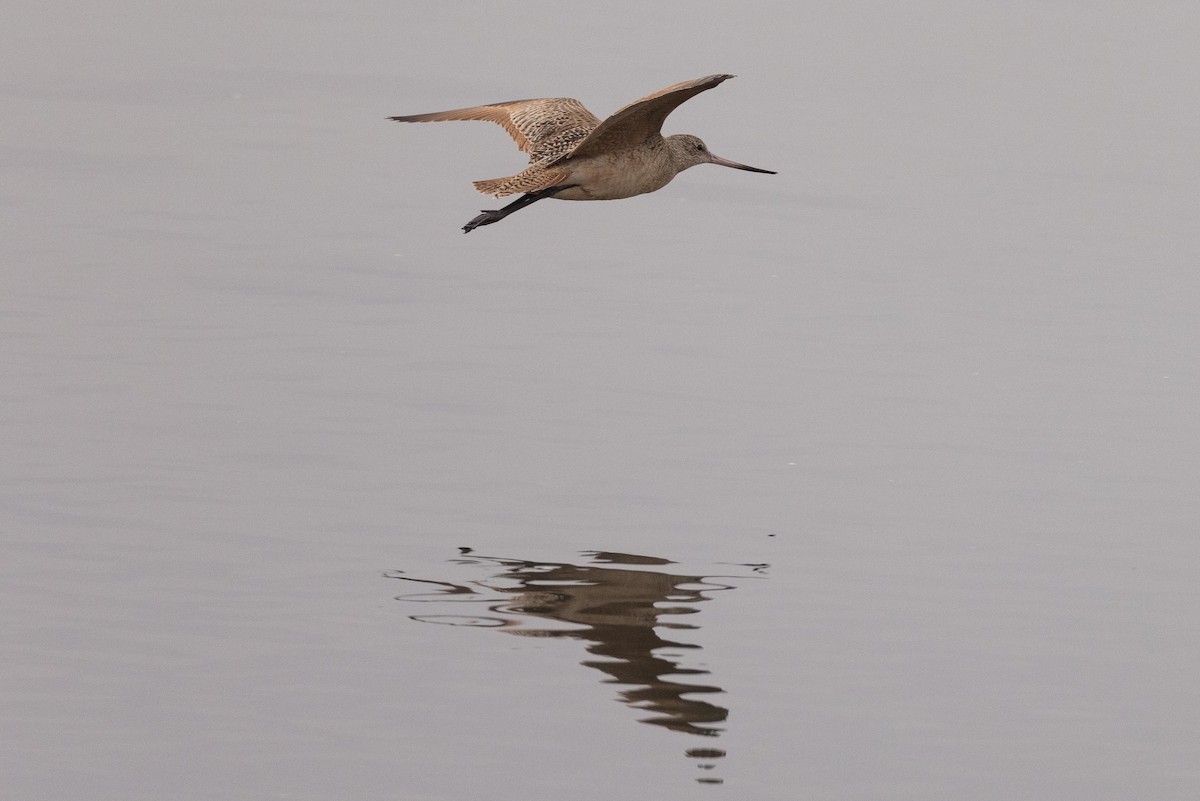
point(617, 175)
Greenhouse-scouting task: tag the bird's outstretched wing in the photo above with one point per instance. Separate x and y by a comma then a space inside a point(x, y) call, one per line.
point(546, 128)
point(642, 119)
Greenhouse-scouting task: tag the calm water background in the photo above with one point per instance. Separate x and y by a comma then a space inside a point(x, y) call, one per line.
point(927, 400)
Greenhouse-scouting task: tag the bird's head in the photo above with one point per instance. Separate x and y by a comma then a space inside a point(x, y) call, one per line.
point(688, 151)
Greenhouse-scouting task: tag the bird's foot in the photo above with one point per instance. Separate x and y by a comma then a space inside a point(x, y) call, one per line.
point(488, 217)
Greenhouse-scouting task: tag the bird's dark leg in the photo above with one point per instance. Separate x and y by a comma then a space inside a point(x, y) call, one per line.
point(496, 215)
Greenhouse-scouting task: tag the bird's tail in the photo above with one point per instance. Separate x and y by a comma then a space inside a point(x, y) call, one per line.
point(530, 179)
point(495, 186)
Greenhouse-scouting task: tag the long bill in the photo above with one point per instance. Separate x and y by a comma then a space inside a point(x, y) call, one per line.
point(714, 159)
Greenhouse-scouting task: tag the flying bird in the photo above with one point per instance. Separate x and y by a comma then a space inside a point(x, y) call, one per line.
point(575, 156)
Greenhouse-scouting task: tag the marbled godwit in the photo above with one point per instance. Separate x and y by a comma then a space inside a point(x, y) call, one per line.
point(575, 156)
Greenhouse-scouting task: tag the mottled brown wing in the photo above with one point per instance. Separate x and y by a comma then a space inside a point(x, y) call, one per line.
point(546, 128)
point(642, 119)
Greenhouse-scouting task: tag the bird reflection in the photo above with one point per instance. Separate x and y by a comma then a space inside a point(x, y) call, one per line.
point(619, 605)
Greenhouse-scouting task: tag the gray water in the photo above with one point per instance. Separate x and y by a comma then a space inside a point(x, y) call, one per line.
point(876, 478)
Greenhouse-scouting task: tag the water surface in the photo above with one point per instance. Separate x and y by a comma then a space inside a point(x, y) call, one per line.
point(939, 374)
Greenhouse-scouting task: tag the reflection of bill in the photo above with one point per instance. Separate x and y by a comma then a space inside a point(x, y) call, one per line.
point(617, 604)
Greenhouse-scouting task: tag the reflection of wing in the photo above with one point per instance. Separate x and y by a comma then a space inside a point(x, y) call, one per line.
point(653, 683)
point(642, 119)
point(545, 128)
